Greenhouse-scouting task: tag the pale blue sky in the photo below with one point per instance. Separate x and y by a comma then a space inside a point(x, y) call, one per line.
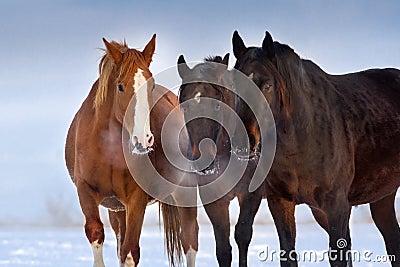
point(49, 60)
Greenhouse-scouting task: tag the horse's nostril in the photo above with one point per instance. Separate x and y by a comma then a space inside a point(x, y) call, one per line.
point(150, 139)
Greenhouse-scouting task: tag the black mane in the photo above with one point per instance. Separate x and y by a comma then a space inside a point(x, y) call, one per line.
point(216, 59)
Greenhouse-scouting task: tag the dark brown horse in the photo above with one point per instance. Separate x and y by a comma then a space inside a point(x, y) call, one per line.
point(99, 168)
point(211, 81)
point(338, 144)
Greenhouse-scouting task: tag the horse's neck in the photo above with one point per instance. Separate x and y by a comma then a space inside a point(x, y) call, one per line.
point(309, 103)
point(104, 114)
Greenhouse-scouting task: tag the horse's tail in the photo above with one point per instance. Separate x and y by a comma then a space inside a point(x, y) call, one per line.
point(172, 233)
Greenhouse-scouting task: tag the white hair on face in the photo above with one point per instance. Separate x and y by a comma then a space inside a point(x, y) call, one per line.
point(142, 109)
point(251, 76)
point(197, 97)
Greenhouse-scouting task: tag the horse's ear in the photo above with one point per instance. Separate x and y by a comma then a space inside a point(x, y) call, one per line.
point(225, 60)
point(223, 65)
point(113, 52)
point(268, 47)
point(217, 59)
point(183, 68)
point(148, 51)
point(238, 45)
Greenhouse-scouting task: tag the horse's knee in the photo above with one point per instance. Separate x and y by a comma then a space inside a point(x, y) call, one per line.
point(224, 255)
point(94, 231)
point(243, 233)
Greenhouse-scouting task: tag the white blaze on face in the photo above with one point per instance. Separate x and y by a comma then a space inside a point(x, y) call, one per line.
point(141, 131)
point(197, 97)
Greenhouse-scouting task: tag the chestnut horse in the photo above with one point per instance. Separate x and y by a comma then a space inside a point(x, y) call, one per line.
point(97, 165)
point(338, 144)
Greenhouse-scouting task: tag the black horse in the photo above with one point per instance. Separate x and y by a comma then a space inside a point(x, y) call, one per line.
point(203, 82)
point(338, 144)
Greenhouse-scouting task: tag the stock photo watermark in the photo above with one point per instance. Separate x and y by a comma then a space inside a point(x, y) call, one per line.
point(224, 113)
point(267, 254)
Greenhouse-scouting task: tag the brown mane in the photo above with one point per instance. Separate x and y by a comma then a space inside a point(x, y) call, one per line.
point(288, 72)
point(107, 67)
point(290, 66)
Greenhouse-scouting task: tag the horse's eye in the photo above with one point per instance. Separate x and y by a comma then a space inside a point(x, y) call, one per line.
point(267, 87)
point(120, 88)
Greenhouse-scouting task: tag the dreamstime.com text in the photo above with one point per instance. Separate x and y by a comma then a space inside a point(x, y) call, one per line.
point(271, 255)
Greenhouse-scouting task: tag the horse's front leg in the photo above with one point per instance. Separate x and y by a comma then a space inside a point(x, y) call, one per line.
point(282, 211)
point(218, 212)
point(135, 208)
point(337, 210)
point(94, 230)
point(322, 220)
point(249, 205)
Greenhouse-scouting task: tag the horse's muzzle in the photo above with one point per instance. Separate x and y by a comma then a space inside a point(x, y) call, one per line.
point(247, 154)
point(138, 149)
point(209, 170)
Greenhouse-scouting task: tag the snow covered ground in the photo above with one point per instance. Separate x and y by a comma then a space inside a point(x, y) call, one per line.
point(30, 246)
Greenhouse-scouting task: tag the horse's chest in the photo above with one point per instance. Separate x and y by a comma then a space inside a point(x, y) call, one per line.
point(300, 176)
point(282, 182)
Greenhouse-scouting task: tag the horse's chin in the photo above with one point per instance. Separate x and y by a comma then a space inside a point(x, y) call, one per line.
point(208, 171)
point(139, 150)
point(213, 169)
point(144, 151)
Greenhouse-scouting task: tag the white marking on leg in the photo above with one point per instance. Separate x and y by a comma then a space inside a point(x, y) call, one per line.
point(119, 249)
point(141, 128)
point(191, 257)
point(129, 261)
point(97, 249)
